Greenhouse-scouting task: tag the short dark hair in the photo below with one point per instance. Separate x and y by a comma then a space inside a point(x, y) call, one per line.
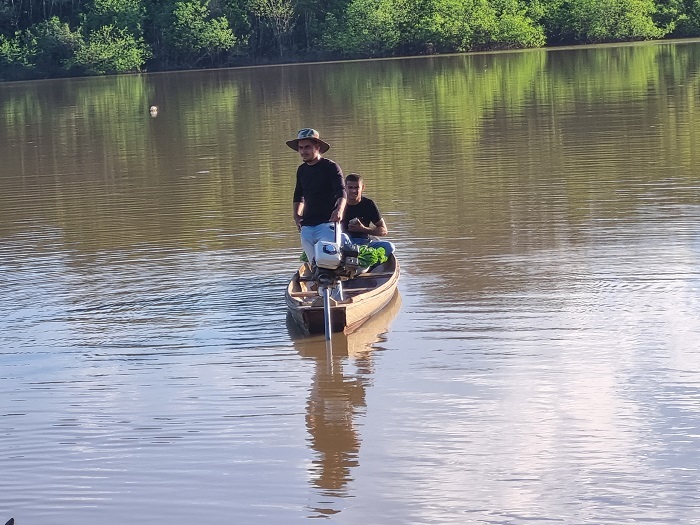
point(354, 177)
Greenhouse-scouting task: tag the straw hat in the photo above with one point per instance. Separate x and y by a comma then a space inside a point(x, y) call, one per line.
point(308, 134)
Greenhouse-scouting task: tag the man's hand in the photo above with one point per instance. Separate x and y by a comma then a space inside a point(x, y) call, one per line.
point(355, 225)
point(335, 216)
point(298, 213)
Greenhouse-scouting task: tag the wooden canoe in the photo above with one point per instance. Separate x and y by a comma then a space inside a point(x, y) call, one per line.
point(363, 296)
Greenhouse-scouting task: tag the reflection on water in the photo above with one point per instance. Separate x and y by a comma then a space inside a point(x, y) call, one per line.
point(543, 365)
point(337, 399)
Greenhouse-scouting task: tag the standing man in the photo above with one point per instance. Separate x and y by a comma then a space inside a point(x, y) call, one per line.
point(362, 218)
point(319, 195)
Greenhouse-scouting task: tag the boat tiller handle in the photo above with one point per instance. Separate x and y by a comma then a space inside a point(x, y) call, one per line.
point(337, 233)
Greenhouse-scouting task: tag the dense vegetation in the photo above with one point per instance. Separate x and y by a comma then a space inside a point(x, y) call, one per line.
point(43, 38)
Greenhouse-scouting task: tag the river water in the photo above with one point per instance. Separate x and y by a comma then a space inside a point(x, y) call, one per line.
point(540, 363)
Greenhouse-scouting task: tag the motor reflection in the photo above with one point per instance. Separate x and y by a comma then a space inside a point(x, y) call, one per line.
point(337, 398)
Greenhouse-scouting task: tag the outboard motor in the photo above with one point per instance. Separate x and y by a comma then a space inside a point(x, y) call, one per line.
point(349, 260)
point(328, 255)
point(335, 262)
point(341, 259)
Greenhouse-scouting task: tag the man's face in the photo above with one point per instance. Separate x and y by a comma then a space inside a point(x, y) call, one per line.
point(309, 150)
point(354, 190)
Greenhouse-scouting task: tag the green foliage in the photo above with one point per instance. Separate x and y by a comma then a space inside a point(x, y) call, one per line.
point(193, 37)
point(687, 21)
point(311, 22)
point(516, 28)
point(279, 16)
point(236, 12)
point(110, 50)
point(370, 256)
point(56, 45)
point(384, 27)
point(18, 56)
point(120, 14)
point(417, 23)
point(465, 25)
point(14, 53)
point(368, 30)
point(611, 20)
point(668, 13)
point(8, 18)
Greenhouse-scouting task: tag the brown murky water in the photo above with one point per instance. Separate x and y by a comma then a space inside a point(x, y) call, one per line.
point(540, 364)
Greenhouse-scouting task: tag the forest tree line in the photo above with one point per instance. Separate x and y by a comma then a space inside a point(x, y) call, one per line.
point(50, 38)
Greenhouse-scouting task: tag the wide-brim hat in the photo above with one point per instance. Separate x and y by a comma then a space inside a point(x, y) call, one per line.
point(308, 134)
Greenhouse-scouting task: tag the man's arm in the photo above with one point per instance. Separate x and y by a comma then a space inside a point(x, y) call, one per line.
point(298, 211)
point(378, 230)
point(337, 214)
point(340, 194)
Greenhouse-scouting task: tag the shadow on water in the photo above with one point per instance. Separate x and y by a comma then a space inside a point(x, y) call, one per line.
point(337, 398)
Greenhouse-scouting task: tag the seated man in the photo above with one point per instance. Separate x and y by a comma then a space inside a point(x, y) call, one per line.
point(362, 218)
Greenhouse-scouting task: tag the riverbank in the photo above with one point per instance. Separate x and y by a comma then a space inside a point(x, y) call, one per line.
point(116, 36)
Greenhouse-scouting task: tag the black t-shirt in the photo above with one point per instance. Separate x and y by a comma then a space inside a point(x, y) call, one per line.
point(320, 186)
point(366, 211)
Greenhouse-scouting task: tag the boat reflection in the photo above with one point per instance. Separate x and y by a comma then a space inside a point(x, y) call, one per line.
point(342, 374)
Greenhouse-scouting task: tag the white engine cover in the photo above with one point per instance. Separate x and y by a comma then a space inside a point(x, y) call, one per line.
point(327, 255)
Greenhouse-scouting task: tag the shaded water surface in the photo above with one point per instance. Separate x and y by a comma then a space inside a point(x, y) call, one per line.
point(541, 360)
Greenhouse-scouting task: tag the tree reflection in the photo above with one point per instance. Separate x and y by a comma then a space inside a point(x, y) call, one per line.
point(337, 399)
